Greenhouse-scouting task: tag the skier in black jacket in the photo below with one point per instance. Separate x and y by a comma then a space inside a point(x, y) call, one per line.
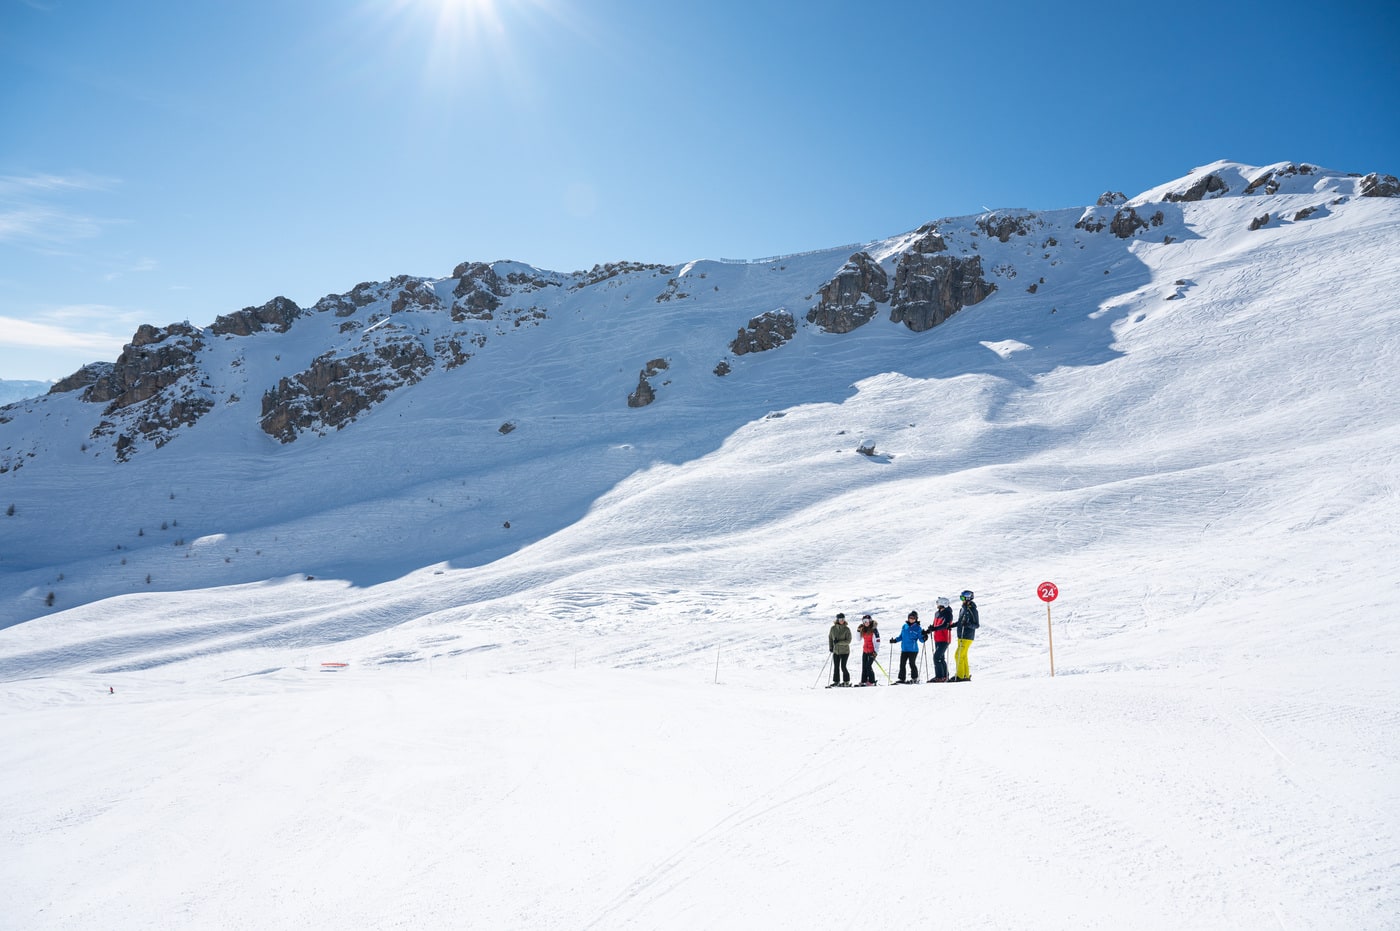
point(941, 631)
point(967, 631)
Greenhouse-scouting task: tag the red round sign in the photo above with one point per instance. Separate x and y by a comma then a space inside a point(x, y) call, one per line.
point(1048, 592)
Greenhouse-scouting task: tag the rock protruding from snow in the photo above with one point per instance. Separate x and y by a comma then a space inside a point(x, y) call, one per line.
point(1002, 226)
point(1126, 222)
point(764, 332)
point(1199, 189)
point(1111, 199)
point(83, 377)
point(277, 314)
point(336, 389)
point(1378, 185)
point(414, 294)
point(848, 300)
point(156, 358)
point(152, 390)
point(478, 293)
point(644, 393)
point(1272, 178)
point(930, 286)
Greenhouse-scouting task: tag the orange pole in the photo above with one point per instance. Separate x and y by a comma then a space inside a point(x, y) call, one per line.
point(1050, 633)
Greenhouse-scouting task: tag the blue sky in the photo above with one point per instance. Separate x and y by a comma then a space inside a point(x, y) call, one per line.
point(166, 161)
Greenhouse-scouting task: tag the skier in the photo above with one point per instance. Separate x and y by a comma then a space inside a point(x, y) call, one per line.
point(839, 642)
point(941, 629)
point(967, 630)
point(910, 636)
point(869, 648)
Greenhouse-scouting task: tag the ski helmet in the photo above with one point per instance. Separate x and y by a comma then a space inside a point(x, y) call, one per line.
point(943, 602)
point(966, 595)
point(840, 617)
point(913, 615)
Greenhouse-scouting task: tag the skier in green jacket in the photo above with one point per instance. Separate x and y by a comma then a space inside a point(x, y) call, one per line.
point(839, 643)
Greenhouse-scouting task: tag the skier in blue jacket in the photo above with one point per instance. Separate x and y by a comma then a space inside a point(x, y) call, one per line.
point(910, 636)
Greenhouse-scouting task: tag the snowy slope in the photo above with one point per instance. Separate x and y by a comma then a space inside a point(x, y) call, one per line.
point(1197, 439)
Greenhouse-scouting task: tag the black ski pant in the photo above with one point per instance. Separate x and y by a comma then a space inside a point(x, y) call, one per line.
point(912, 660)
point(867, 668)
point(940, 665)
point(839, 672)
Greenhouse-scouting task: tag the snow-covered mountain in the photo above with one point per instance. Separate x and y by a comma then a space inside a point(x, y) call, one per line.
point(439, 410)
point(1180, 406)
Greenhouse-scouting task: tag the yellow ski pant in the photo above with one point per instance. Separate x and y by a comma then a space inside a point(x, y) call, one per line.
point(960, 658)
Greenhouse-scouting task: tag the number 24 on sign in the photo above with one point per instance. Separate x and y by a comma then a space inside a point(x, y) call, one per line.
point(1048, 592)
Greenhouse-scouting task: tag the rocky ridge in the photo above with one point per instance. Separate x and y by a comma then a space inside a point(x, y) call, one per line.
point(379, 339)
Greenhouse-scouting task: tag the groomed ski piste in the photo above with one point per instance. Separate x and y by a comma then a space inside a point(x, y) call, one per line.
point(610, 715)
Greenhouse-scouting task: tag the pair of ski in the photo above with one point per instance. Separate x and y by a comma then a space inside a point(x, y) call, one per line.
point(916, 681)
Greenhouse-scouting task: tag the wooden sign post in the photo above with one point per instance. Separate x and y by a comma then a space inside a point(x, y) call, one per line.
point(1048, 592)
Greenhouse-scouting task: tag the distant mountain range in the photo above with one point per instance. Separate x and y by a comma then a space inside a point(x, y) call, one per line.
point(17, 390)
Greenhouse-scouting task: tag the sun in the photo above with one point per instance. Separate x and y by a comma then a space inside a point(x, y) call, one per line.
point(469, 46)
point(470, 16)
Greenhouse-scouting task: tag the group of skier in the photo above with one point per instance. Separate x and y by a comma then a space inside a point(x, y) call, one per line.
point(910, 636)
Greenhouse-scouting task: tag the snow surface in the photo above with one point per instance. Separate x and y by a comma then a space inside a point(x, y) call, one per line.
point(606, 716)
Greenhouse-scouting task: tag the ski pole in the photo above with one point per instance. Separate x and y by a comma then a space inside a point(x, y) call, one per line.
point(882, 669)
point(821, 675)
point(891, 662)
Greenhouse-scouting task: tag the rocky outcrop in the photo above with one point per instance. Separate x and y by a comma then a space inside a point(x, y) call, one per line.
point(415, 294)
point(1378, 185)
point(334, 390)
point(1126, 222)
point(151, 391)
point(1259, 223)
point(524, 283)
point(643, 395)
point(1004, 226)
point(1271, 180)
point(87, 375)
point(673, 292)
point(764, 332)
point(155, 359)
point(929, 287)
point(451, 352)
point(364, 293)
point(1209, 184)
point(157, 421)
point(479, 292)
point(1092, 221)
point(1111, 199)
point(848, 300)
point(277, 314)
point(601, 273)
point(338, 304)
